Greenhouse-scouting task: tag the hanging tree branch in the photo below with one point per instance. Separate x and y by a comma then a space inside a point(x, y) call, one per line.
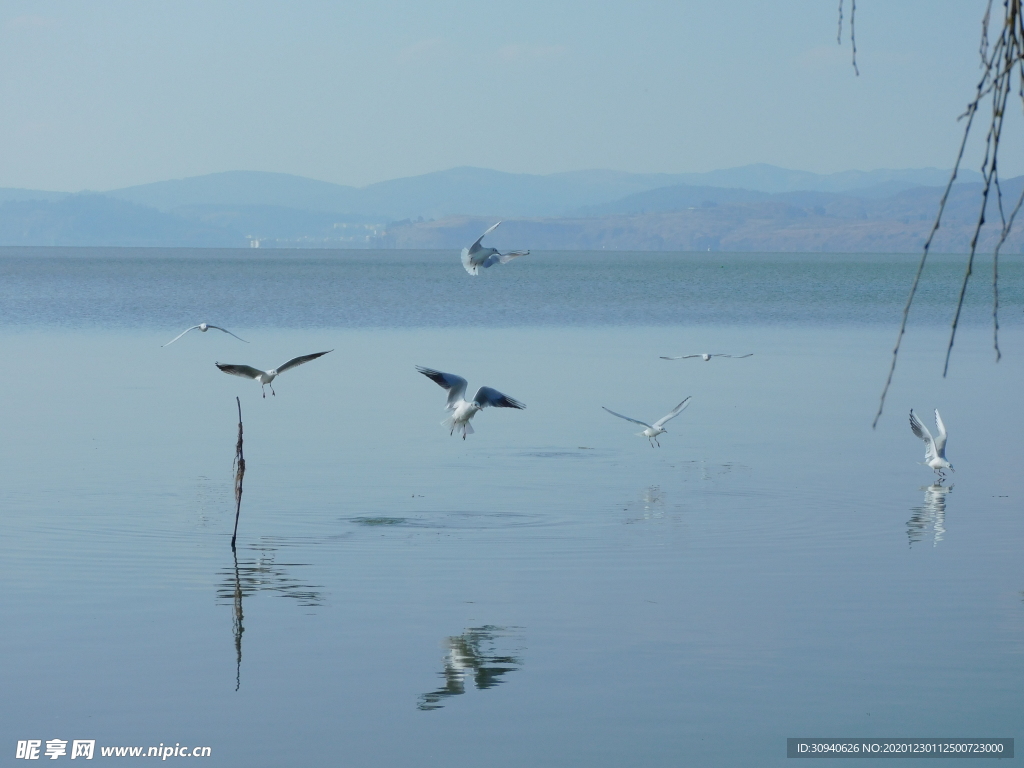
point(999, 63)
point(853, 35)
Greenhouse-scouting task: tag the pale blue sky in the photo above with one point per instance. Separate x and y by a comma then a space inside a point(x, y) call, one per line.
point(105, 93)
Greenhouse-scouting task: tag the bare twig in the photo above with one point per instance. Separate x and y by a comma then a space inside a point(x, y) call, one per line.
point(999, 62)
point(239, 466)
point(998, 67)
point(853, 34)
point(920, 269)
point(1007, 225)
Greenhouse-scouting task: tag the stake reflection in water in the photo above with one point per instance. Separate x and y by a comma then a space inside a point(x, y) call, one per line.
point(477, 651)
point(932, 513)
point(237, 626)
point(259, 574)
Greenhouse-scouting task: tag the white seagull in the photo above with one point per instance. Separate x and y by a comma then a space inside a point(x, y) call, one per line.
point(204, 327)
point(265, 377)
point(477, 256)
point(705, 356)
point(935, 447)
point(463, 410)
point(657, 428)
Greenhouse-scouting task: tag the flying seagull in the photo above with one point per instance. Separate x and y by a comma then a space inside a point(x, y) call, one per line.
point(265, 377)
point(477, 256)
point(657, 428)
point(204, 327)
point(463, 410)
point(705, 356)
point(935, 447)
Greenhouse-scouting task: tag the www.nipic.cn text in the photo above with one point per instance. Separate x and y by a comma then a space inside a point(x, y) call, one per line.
point(34, 749)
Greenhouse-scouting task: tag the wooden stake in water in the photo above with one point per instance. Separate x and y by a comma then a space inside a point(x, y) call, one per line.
point(239, 467)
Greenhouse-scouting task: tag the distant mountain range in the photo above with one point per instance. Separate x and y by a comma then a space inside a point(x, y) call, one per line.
point(755, 207)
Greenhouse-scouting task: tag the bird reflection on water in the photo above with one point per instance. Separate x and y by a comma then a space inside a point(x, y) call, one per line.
point(653, 500)
point(932, 513)
point(476, 652)
point(259, 574)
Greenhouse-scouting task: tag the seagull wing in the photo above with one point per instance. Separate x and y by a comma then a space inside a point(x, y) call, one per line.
point(740, 357)
point(300, 360)
point(635, 421)
point(179, 336)
point(675, 412)
point(467, 262)
point(229, 333)
point(486, 396)
point(476, 245)
point(681, 357)
point(505, 258)
point(456, 385)
point(922, 432)
point(940, 438)
point(246, 371)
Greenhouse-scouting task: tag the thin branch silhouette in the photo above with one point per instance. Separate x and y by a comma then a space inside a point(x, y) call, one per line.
point(999, 62)
point(853, 34)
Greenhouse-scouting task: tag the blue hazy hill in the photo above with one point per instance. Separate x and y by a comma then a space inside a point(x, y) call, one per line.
point(479, 191)
point(91, 219)
point(238, 208)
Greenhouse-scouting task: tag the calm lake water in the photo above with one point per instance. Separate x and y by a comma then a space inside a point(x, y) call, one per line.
point(551, 591)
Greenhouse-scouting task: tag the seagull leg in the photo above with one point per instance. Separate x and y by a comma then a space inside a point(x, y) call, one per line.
point(263, 389)
point(272, 390)
point(658, 442)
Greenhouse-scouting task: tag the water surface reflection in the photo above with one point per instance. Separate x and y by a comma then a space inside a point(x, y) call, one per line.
point(259, 574)
point(930, 517)
point(486, 653)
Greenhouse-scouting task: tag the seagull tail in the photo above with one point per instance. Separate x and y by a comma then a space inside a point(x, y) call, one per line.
point(462, 428)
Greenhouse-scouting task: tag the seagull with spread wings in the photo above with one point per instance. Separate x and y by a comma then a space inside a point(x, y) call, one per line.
point(705, 356)
point(935, 447)
point(463, 410)
point(657, 428)
point(204, 327)
point(476, 256)
point(265, 377)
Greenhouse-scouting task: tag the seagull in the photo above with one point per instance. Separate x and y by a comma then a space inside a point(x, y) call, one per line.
point(706, 356)
point(204, 327)
point(265, 377)
point(657, 428)
point(477, 256)
point(935, 447)
point(463, 410)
